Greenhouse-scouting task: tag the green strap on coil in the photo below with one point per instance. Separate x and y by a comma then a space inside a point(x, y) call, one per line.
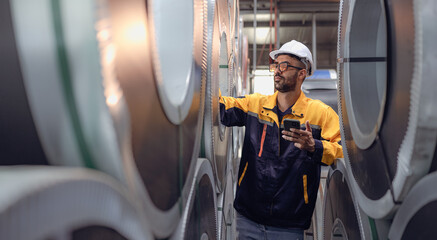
point(373, 229)
point(67, 86)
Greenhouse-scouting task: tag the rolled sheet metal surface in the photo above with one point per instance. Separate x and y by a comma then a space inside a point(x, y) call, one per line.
point(232, 6)
point(19, 143)
point(236, 77)
point(53, 202)
point(385, 98)
point(221, 225)
point(316, 229)
point(342, 217)
point(245, 66)
point(223, 7)
point(216, 135)
point(433, 167)
point(38, 56)
point(228, 201)
point(68, 79)
point(226, 197)
point(199, 218)
point(236, 141)
point(420, 141)
point(96, 232)
point(378, 186)
point(164, 128)
point(417, 216)
point(235, 33)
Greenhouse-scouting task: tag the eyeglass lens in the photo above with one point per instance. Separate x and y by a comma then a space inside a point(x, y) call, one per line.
point(282, 66)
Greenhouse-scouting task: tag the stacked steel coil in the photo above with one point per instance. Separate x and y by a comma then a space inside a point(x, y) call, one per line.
point(126, 88)
point(386, 66)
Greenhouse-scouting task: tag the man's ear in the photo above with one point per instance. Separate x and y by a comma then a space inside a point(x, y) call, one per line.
point(303, 73)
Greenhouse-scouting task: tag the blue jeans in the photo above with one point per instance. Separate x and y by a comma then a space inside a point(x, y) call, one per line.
point(250, 230)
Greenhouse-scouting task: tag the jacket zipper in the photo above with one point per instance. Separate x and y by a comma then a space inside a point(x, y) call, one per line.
point(279, 154)
point(262, 140)
point(279, 140)
point(242, 175)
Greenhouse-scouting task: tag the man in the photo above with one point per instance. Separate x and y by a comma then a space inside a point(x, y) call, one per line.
point(279, 170)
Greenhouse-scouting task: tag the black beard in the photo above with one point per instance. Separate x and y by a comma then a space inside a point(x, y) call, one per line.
point(287, 86)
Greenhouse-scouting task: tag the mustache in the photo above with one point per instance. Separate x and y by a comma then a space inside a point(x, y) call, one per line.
point(278, 75)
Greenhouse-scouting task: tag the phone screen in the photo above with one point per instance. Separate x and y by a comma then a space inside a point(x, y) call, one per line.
point(291, 123)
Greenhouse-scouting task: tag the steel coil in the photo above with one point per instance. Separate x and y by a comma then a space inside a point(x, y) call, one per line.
point(246, 86)
point(316, 228)
point(199, 219)
point(225, 199)
point(66, 76)
point(228, 207)
point(416, 217)
point(216, 135)
point(20, 143)
point(165, 106)
point(232, 7)
point(385, 94)
point(95, 92)
point(342, 218)
point(58, 202)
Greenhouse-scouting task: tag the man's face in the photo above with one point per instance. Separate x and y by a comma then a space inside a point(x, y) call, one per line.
point(287, 80)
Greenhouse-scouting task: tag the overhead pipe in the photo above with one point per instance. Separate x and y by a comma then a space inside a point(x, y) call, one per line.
point(254, 35)
point(277, 25)
point(271, 25)
point(314, 35)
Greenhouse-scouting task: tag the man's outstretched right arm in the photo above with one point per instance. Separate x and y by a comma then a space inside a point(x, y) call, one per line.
point(233, 110)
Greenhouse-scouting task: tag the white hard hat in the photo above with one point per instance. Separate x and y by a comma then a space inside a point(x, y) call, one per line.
point(298, 49)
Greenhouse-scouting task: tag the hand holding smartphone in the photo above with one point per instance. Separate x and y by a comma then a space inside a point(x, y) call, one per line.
point(291, 123)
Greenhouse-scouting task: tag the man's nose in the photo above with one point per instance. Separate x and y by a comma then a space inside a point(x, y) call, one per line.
point(277, 71)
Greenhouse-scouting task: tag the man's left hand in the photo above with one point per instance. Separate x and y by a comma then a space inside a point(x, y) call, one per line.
point(303, 139)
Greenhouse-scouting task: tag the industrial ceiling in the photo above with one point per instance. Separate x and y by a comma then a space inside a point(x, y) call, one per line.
point(294, 20)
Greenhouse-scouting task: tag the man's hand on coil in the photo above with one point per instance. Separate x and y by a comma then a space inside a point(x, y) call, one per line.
point(303, 139)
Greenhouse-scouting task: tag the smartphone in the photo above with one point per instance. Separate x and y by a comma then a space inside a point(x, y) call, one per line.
point(291, 123)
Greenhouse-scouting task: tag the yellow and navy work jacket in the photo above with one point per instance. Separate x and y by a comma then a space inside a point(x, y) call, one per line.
point(278, 187)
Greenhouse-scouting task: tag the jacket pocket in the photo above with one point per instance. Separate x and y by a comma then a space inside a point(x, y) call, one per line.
point(242, 175)
point(305, 188)
point(262, 140)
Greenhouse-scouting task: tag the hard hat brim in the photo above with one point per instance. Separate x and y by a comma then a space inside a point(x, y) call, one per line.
point(275, 53)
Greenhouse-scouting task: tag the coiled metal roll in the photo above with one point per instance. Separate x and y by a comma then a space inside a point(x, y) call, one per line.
point(236, 73)
point(229, 230)
point(343, 218)
point(216, 135)
point(65, 74)
point(236, 141)
point(416, 217)
point(159, 62)
point(66, 203)
point(199, 219)
point(386, 91)
point(19, 143)
point(232, 6)
point(246, 88)
point(316, 228)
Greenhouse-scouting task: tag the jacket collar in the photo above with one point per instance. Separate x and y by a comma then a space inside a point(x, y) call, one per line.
point(297, 109)
point(270, 104)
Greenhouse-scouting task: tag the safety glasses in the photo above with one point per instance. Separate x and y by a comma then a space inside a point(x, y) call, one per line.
point(283, 66)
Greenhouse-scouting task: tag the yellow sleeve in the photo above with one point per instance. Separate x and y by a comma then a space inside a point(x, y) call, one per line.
point(332, 137)
point(241, 103)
